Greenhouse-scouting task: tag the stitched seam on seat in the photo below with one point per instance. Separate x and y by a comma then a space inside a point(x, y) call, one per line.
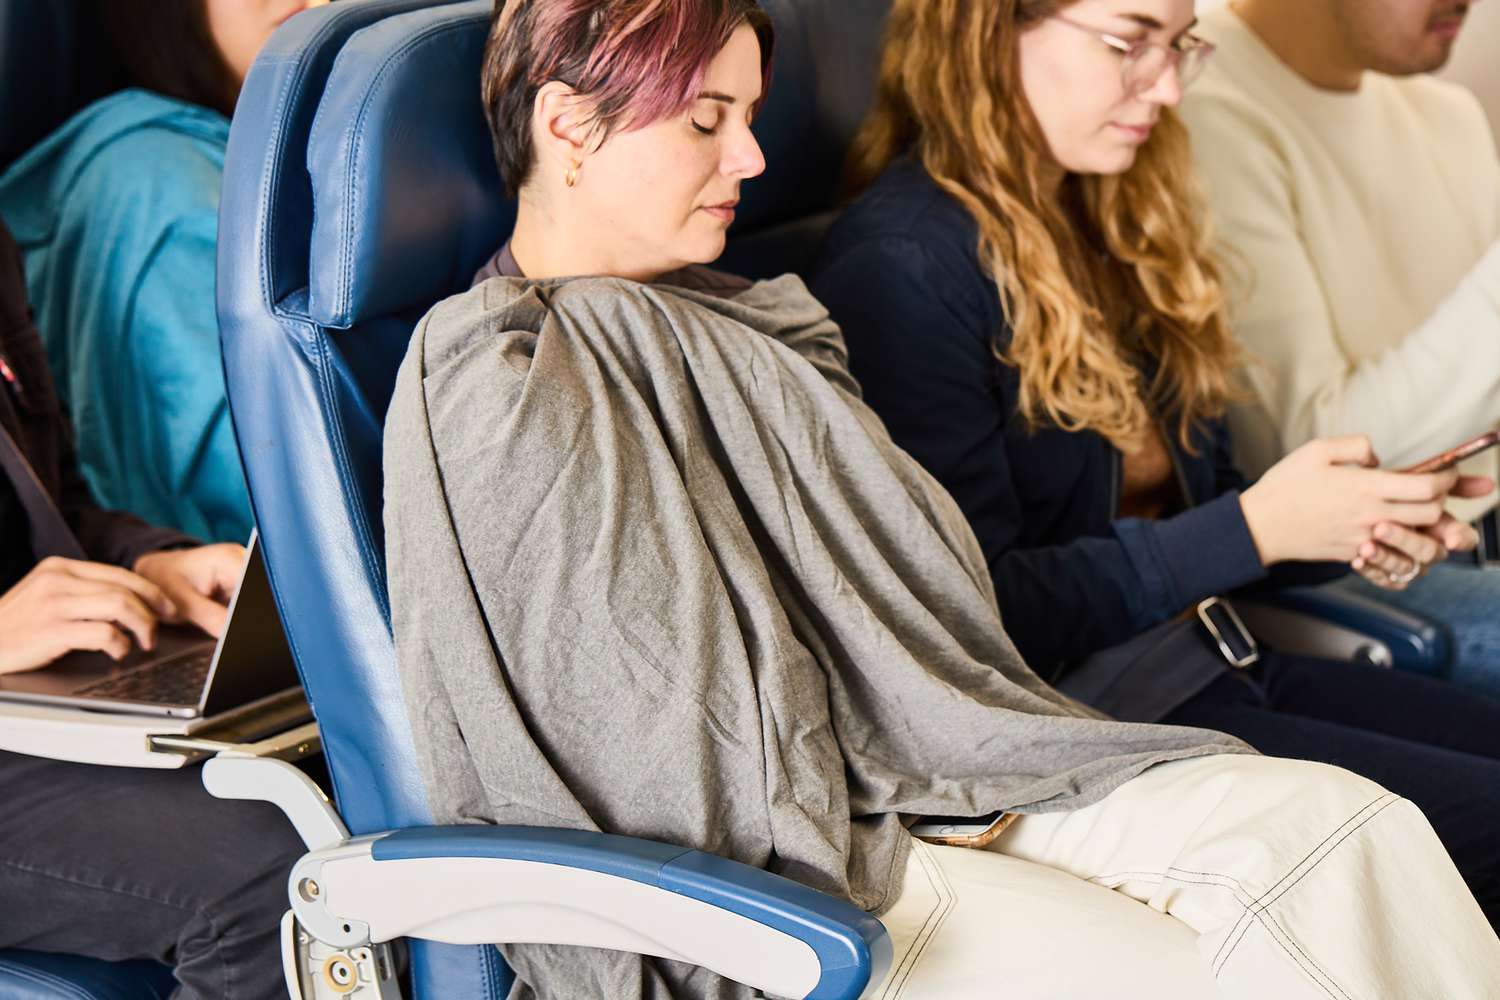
point(903, 971)
point(346, 295)
point(44, 978)
point(1176, 875)
point(1262, 906)
point(1309, 967)
point(948, 900)
point(271, 183)
point(334, 417)
point(1242, 925)
point(1217, 962)
point(1390, 801)
point(1279, 932)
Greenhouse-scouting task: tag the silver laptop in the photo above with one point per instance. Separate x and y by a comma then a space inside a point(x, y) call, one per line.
point(188, 675)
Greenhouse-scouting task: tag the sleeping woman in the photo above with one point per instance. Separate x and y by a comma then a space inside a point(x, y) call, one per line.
point(656, 570)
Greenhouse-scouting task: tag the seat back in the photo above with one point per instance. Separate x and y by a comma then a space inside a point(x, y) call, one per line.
point(360, 189)
point(53, 62)
point(311, 347)
point(826, 57)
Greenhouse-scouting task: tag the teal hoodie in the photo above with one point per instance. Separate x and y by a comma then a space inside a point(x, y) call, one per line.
point(116, 214)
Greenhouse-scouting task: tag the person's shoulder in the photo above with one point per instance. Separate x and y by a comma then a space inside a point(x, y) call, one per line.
point(904, 202)
point(130, 149)
point(905, 220)
point(1242, 82)
point(137, 137)
point(135, 128)
point(1446, 110)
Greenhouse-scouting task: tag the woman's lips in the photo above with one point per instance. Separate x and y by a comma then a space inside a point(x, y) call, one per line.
point(724, 212)
point(1137, 133)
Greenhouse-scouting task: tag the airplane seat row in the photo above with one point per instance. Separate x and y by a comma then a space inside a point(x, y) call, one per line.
point(360, 188)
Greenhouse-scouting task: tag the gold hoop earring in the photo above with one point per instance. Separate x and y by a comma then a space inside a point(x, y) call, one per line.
point(572, 177)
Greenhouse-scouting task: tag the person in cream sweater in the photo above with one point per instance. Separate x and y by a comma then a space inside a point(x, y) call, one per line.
point(1358, 205)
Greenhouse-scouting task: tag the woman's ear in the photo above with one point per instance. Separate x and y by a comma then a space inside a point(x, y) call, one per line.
point(563, 130)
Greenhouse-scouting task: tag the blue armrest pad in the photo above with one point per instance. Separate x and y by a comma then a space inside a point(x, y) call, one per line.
point(851, 945)
point(1416, 643)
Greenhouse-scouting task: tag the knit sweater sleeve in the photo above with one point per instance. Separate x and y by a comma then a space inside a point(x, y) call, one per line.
point(1437, 385)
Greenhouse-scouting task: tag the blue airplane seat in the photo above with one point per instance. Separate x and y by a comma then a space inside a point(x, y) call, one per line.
point(360, 189)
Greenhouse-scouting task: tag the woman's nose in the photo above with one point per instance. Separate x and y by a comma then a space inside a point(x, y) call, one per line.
point(1167, 90)
point(743, 158)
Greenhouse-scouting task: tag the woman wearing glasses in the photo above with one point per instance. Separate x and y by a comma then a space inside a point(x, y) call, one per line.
point(1029, 304)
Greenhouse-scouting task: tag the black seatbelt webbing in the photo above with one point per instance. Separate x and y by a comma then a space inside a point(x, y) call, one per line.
point(50, 534)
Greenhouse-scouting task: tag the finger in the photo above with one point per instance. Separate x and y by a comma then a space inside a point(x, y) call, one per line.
point(1453, 534)
point(1391, 562)
point(102, 637)
point(139, 585)
point(1416, 545)
point(118, 606)
point(207, 614)
point(1473, 486)
point(1414, 515)
point(1414, 487)
point(1378, 577)
point(1353, 449)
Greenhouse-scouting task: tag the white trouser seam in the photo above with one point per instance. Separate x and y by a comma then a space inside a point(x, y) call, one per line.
point(936, 917)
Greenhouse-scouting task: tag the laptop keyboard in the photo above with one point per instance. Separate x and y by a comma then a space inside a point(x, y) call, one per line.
point(177, 681)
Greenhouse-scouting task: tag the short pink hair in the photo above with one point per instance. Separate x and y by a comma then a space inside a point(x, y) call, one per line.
point(637, 61)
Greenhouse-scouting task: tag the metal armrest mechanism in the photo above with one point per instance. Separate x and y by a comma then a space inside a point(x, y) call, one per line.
point(314, 970)
point(515, 885)
point(318, 971)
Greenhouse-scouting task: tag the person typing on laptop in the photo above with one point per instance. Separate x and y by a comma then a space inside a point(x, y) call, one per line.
point(116, 863)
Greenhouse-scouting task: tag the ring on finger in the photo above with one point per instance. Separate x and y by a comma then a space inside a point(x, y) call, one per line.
point(1407, 577)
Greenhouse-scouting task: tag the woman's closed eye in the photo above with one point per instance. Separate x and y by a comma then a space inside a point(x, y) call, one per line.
point(705, 129)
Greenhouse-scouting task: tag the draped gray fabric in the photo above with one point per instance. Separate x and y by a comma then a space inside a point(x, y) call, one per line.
point(655, 569)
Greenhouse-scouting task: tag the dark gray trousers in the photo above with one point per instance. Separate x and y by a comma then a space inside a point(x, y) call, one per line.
point(120, 863)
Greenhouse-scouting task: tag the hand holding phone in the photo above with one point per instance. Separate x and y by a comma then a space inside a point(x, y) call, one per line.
point(1451, 457)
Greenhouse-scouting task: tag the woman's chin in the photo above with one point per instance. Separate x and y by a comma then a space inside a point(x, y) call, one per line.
point(706, 249)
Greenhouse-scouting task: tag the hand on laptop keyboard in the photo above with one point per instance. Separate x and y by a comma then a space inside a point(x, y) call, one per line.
point(199, 581)
point(64, 605)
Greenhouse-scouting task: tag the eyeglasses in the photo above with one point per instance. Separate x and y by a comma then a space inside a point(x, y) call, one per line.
point(1144, 63)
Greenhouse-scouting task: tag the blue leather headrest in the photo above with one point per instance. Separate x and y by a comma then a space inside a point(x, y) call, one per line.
point(420, 204)
point(53, 61)
point(405, 163)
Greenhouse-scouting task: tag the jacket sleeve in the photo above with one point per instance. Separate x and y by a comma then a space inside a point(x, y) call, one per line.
point(920, 344)
point(1227, 477)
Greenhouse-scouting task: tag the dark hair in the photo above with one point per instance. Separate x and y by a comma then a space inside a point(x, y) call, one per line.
point(169, 49)
point(637, 61)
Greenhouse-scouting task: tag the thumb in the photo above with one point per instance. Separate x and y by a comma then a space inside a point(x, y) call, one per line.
point(1472, 486)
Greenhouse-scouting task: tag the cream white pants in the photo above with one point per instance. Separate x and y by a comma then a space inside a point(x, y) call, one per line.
point(1228, 876)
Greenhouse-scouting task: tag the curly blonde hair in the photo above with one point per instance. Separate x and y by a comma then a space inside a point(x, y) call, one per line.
point(1115, 273)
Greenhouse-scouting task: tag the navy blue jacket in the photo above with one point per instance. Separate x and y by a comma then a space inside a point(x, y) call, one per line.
point(901, 275)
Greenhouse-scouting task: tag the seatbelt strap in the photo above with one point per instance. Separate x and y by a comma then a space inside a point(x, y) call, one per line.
point(50, 534)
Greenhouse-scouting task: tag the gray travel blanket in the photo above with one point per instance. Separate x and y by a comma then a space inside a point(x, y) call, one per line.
point(655, 569)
